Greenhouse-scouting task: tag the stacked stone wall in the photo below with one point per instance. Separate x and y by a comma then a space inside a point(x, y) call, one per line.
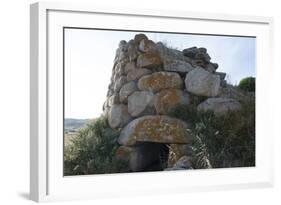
point(149, 79)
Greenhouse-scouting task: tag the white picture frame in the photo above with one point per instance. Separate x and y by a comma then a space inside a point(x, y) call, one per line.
point(46, 178)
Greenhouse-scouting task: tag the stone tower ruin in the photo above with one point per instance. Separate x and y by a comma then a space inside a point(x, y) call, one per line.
point(149, 79)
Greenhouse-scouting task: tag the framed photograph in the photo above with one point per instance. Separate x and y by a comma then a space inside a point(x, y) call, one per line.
point(127, 102)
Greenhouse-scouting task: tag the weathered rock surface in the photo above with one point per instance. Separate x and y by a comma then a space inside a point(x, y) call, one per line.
point(135, 74)
point(210, 67)
point(200, 57)
point(203, 56)
point(149, 60)
point(127, 90)
point(129, 67)
point(114, 99)
point(197, 53)
point(177, 66)
point(141, 103)
point(167, 99)
point(109, 92)
point(219, 106)
point(150, 57)
point(139, 37)
point(121, 52)
point(190, 52)
point(148, 46)
point(157, 128)
point(118, 116)
point(119, 68)
point(201, 82)
point(160, 80)
point(132, 50)
point(119, 83)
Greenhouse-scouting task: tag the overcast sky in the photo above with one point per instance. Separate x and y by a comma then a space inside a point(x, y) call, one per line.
point(89, 56)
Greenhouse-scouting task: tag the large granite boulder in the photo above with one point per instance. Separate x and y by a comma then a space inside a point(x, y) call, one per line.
point(160, 80)
point(149, 60)
point(150, 57)
point(132, 50)
point(168, 99)
point(112, 100)
point(121, 52)
point(211, 67)
point(148, 46)
point(219, 106)
point(141, 103)
point(197, 53)
point(190, 52)
point(119, 69)
point(118, 116)
point(157, 128)
point(135, 74)
point(177, 66)
point(201, 82)
point(129, 67)
point(119, 83)
point(200, 57)
point(203, 55)
point(127, 90)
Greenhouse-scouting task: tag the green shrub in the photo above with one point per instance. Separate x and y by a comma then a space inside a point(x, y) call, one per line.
point(221, 141)
point(92, 150)
point(248, 84)
point(229, 139)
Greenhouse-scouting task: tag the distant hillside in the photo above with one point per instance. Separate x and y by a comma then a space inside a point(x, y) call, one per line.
point(71, 123)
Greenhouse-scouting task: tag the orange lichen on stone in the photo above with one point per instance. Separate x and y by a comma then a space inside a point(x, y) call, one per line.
point(160, 80)
point(149, 60)
point(154, 57)
point(166, 99)
point(148, 46)
point(161, 129)
point(154, 130)
point(169, 95)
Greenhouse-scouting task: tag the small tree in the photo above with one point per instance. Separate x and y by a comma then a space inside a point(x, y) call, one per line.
point(92, 151)
point(248, 84)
